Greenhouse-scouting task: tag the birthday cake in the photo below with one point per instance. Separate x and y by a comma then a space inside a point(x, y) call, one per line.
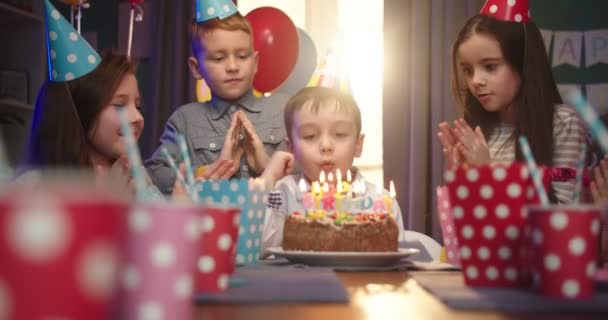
point(340, 232)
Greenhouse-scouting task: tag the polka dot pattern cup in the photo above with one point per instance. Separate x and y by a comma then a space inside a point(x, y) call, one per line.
point(446, 221)
point(162, 247)
point(217, 249)
point(61, 254)
point(249, 195)
point(487, 206)
point(564, 243)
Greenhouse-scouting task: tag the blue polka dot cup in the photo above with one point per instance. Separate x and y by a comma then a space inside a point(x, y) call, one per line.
point(564, 247)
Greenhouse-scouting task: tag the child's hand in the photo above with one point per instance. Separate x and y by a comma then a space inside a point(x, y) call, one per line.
point(472, 144)
point(220, 169)
point(257, 158)
point(232, 149)
point(599, 185)
point(448, 140)
point(280, 165)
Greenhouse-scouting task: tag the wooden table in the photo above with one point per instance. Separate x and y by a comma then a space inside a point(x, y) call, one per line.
point(374, 295)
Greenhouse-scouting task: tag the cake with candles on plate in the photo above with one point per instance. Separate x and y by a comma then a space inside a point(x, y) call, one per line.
point(341, 217)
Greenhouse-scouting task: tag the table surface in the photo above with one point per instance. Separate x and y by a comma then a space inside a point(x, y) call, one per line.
point(374, 295)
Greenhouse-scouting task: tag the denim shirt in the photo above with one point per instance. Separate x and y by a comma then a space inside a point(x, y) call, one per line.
point(205, 126)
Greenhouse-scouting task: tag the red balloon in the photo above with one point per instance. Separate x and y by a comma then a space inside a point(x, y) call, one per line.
point(275, 37)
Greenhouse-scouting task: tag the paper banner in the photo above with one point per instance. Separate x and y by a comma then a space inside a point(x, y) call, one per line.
point(567, 48)
point(566, 88)
point(597, 96)
point(596, 47)
point(547, 37)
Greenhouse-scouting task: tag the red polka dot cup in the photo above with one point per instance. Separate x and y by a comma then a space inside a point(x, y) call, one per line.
point(162, 247)
point(487, 206)
point(564, 242)
point(217, 249)
point(446, 221)
point(61, 252)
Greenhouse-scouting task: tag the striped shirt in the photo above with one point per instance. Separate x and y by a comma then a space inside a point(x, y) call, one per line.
point(569, 132)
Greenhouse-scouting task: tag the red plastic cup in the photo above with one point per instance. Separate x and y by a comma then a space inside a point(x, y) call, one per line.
point(217, 250)
point(564, 243)
point(61, 250)
point(162, 247)
point(487, 205)
point(446, 221)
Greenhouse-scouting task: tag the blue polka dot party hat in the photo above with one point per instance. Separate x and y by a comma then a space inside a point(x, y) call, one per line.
point(210, 9)
point(69, 55)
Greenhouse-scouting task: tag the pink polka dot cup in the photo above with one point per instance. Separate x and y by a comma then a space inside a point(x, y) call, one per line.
point(487, 206)
point(446, 221)
point(162, 247)
point(61, 252)
point(564, 243)
point(217, 249)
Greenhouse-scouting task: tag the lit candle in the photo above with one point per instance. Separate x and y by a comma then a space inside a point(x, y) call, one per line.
point(389, 200)
point(328, 198)
point(307, 200)
point(322, 177)
point(330, 179)
point(379, 203)
point(316, 191)
point(339, 197)
point(349, 177)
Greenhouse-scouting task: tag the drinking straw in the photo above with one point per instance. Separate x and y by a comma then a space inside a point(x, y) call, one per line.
point(580, 167)
point(133, 155)
point(536, 177)
point(598, 130)
point(173, 166)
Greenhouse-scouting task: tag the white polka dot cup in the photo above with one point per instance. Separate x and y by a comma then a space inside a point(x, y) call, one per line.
point(487, 206)
point(161, 253)
point(217, 249)
point(446, 221)
point(564, 247)
point(61, 254)
point(252, 224)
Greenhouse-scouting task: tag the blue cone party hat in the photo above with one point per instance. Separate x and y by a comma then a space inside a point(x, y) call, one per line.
point(69, 55)
point(210, 9)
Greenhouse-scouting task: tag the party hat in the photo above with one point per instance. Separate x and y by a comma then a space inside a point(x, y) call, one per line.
point(328, 75)
point(507, 10)
point(210, 9)
point(69, 55)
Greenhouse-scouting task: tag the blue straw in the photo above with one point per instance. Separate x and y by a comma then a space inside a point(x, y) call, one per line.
point(536, 178)
point(133, 154)
point(580, 168)
point(173, 166)
point(590, 116)
point(183, 148)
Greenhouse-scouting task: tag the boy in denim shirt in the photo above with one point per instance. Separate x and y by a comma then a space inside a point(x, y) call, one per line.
point(234, 134)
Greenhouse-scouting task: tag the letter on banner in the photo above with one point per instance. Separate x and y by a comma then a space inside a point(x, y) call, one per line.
point(567, 48)
point(596, 47)
point(597, 95)
point(547, 37)
point(565, 88)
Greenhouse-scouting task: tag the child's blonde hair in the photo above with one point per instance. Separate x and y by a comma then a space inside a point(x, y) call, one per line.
point(314, 97)
point(235, 22)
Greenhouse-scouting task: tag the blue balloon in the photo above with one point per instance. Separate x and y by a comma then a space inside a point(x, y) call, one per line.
point(305, 65)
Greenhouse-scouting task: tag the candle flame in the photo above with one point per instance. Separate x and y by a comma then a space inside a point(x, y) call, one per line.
point(339, 176)
point(322, 177)
point(316, 188)
point(325, 187)
point(302, 185)
point(330, 177)
point(349, 177)
point(339, 188)
point(392, 189)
